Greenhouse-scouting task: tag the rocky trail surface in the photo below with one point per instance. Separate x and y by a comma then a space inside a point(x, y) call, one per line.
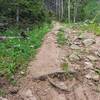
point(46, 79)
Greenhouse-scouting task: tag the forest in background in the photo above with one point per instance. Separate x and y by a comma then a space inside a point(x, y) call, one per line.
point(75, 10)
point(32, 11)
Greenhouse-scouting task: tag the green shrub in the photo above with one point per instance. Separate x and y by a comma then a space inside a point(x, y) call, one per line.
point(88, 26)
point(92, 10)
point(16, 53)
point(92, 27)
point(61, 38)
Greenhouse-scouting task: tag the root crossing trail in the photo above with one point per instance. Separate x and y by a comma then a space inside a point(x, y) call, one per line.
point(78, 86)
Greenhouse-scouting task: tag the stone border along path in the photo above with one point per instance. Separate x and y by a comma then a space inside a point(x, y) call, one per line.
point(82, 55)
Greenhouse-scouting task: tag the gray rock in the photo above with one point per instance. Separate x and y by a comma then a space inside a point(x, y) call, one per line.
point(81, 36)
point(22, 72)
point(73, 68)
point(88, 65)
point(74, 57)
point(98, 52)
point(92, 75)
point(1, 98)
point(88, 42)
point(13, 90)
point(78, 42)
point(59, 84)
point(29, 93)
point(75, 47)
point(92, 58)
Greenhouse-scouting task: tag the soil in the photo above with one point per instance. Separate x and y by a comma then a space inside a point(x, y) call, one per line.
point(54, 83)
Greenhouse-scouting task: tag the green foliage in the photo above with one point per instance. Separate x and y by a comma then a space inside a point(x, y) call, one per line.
point(92, 10)
point(92, 27)
point(65, 67)
point(16, 53)
point(97, 71)
point(61, 38)
point(30, 11)
point(2, 92)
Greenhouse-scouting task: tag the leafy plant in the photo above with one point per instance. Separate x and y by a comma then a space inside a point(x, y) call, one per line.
point(16, 53)
point(2, 92)
point(65, 67)
point(88, 26)
point(61, 38)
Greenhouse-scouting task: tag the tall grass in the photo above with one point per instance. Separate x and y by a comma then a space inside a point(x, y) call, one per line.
point(90, 27)
point(61, 39)
point(93, 27)
point(16, 53)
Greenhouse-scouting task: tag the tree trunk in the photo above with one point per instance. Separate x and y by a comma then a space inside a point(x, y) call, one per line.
point(62, 9)
point(75, 10)
point(56, 7)
point(59, 8)
point(17, 14)
point(69, 12)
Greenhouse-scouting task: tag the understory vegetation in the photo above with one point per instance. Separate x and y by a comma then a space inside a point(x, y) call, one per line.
point(93, 27)
point(89, 27)
point(61, 38)
point(16, 53)
point(23, 24)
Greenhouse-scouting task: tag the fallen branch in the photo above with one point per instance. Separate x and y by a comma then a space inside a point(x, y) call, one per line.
point(12, 37)
point(5, 37)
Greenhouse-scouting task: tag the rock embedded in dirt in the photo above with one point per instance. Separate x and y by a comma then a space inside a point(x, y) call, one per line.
point(22, 72)
point(1, 98)
point(78, 42)
point(98, 52)
point(88, 65)
point(92, 75)
point(71, 70)
point(75, 47)
point(98, 88)
point(58, 84)
point(81, 37)
point(92, 58)
point(28, 95)
point(74, 57)
point(13, 90)
point(88, 42)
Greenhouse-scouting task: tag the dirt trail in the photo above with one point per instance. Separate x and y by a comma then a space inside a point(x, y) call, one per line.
point(49, 59)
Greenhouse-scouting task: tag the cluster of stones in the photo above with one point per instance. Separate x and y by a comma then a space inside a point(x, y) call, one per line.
point(81, 58)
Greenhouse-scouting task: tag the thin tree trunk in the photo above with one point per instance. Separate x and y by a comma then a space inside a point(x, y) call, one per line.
point(62, 6)
point(59, 9)
point(69, 12)
point(75, 10)
point(56, 7)
point(17, 14)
